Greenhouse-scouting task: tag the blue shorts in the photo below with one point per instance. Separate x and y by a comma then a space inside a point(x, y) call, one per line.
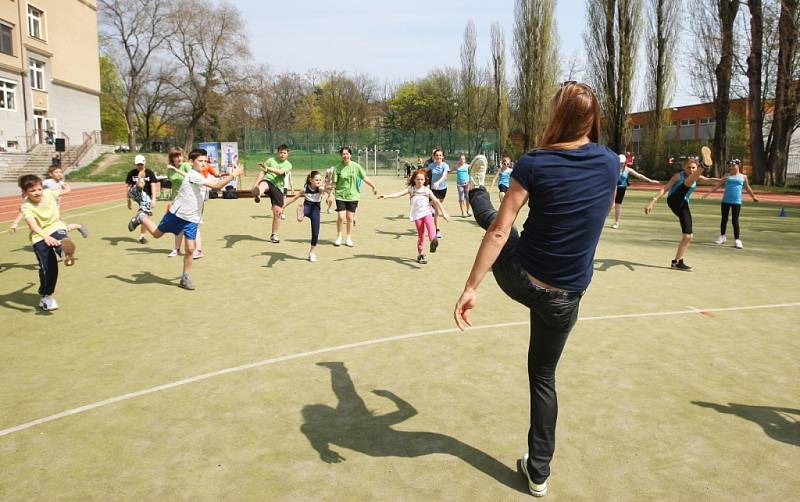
point(171, 224)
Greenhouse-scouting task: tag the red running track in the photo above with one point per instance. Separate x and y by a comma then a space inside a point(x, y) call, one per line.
point(778, 199)
point(79, 197)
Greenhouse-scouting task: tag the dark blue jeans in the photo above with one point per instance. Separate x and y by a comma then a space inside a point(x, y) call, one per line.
point(311, 211)
point(48, 263)
point(553, 314)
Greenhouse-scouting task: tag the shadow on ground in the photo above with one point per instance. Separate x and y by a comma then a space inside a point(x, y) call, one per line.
point(20, 299)
point(352, 426)
point(149, 250)
point(114, 241)
point(776, 422)
point(276, 257)
point(603, 264)
point(411, 263)
point(144, 278)
point(398, 235)
point(232, 240)
point(4, 267)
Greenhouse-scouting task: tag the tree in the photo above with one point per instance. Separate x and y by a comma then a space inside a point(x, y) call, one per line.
point(611, 48)
point(156, 107)
point(726, 10)
point(137, 29)
point(785, 114)
point(500, 86)
point(112, 102)
point(344, 102)
point(662, 32)
point(536, 53)
point(208, 45)
point(758, 154)
point(468, 79)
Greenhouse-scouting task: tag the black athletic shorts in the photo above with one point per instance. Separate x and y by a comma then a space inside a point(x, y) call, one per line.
point(346, 205)
point(275, 194)
point(440, 194)
point(680, 208)
point(502, 188)
point(620, 195)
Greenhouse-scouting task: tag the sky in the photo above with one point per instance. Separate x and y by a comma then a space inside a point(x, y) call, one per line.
point(393, 41)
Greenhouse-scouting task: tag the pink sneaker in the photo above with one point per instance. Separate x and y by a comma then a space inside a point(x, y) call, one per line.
point(198, 254)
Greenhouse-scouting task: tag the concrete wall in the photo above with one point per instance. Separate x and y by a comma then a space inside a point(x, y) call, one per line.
point(75, 112)
point(12, 122)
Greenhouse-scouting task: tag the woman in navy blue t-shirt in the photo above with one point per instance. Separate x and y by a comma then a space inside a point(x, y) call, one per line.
point(568, 184)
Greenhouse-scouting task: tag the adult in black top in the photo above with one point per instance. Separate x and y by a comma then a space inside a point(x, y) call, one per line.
point(150, 178)
point(568, 185)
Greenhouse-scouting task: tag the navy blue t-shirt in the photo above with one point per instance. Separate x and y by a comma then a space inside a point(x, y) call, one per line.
point(570, 193)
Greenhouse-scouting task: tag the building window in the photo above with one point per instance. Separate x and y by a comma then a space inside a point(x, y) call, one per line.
point(707, 120)
point(637, 127)
point(673, 123)
point(8, 95)
point(5, 39)
point(688, 122)
point(37, 74)
point(35, 23)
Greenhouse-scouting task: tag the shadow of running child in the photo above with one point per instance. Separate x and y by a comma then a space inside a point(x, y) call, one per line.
point(352, 426)
point(144, 278)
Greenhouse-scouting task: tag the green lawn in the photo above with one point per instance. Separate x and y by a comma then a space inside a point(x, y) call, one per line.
point(657, 400)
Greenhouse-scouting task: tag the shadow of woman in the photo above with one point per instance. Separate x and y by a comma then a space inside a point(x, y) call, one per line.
point(352, 426)
point(603, 264)
point(773, 420)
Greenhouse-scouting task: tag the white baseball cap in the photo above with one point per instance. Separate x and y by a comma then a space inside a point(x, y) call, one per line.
point(139, 159)
point(622, 158)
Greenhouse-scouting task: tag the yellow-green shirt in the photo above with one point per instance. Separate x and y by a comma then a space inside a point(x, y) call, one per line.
point(276, 179)
point(176, 179)
point(46, 214)
point(347, 180)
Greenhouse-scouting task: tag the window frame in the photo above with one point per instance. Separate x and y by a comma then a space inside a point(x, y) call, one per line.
point(35, 15)
point(10, 27)
point(8, 87)
point(32, 61)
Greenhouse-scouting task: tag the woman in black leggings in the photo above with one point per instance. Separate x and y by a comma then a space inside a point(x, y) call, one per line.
point(568, 184)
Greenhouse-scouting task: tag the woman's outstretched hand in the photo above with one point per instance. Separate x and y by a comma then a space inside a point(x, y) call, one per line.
point(464, 306)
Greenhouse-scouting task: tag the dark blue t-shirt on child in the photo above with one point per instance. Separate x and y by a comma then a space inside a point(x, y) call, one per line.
point(570, 193)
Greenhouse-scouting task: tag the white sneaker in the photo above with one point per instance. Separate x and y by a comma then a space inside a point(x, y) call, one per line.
point(349, 242)
point(537, 490)
point(338, 241)
point(283, 216)
point(738, 244)
point(721, 239)
point(49, 303)
point(615, 225)
point(173, 253)
point(312, 257)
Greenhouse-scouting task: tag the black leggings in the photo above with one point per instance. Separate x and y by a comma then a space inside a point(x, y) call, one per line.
point(680, 207)
point(723, 225)
point(311, 211)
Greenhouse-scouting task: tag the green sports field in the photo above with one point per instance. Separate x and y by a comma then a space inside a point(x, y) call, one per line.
point(280, 379)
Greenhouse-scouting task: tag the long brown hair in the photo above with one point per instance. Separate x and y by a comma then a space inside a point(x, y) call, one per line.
point(419, 171)
point(574, 113)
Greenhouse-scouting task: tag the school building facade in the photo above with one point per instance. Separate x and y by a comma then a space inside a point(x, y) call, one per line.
point(49, 72)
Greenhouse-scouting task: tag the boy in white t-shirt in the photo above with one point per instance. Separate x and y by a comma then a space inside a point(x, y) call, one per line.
point(186, 210)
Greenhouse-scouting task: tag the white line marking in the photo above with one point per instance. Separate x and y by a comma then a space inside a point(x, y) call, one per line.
point(74, 215)
point(274, 360)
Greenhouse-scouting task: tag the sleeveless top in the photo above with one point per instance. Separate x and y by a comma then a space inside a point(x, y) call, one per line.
point(680, 182)
point(733, 189)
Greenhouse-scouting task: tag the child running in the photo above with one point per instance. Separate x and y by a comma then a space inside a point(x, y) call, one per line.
point(462, 181)
point(732, 200)
point(54, 182)
point(503, 177)
point(622, 184)
point(186, 211)
point(48, 235)
point(140, 181)
point(312, 193)
point(680, 188)
point(176, 169)
point(423, 202)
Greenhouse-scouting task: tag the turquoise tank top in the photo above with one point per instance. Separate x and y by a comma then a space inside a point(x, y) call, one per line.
point(623, 178)
point(680, 182)
point(733, 189)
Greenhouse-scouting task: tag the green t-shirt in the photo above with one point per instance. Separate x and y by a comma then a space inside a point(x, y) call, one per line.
point(346, 178)
point(276, 179)
point(176, 179)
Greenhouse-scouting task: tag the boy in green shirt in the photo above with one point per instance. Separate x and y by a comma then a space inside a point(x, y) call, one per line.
point(347, 191)
point(272, 179)
point(48, 235)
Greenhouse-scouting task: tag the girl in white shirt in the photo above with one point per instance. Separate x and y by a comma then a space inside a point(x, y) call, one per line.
point(422, 203)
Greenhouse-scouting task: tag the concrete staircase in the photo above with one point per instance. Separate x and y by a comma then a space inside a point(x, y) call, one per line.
point(37, 161)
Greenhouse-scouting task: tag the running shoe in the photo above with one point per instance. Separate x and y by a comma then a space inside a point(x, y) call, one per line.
point(421, 259)
point(83, 231)
point(134, 222)
point(721, 239)
point(439, 234)
point(434, 245)
point(312, 257)
point(536, 489)
point(173, 253)
point(68, 250)
point(186, 282)
point(615, 225)
point(198, 254)
point(349, 242)
point(705, 154)
point(680, 265)
point(738, 244)
point(256, 194)
point(283, 216)
point(142, 239)
point(338, 241)
point(48, 303)
point(477, 170)
point(274, 238)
